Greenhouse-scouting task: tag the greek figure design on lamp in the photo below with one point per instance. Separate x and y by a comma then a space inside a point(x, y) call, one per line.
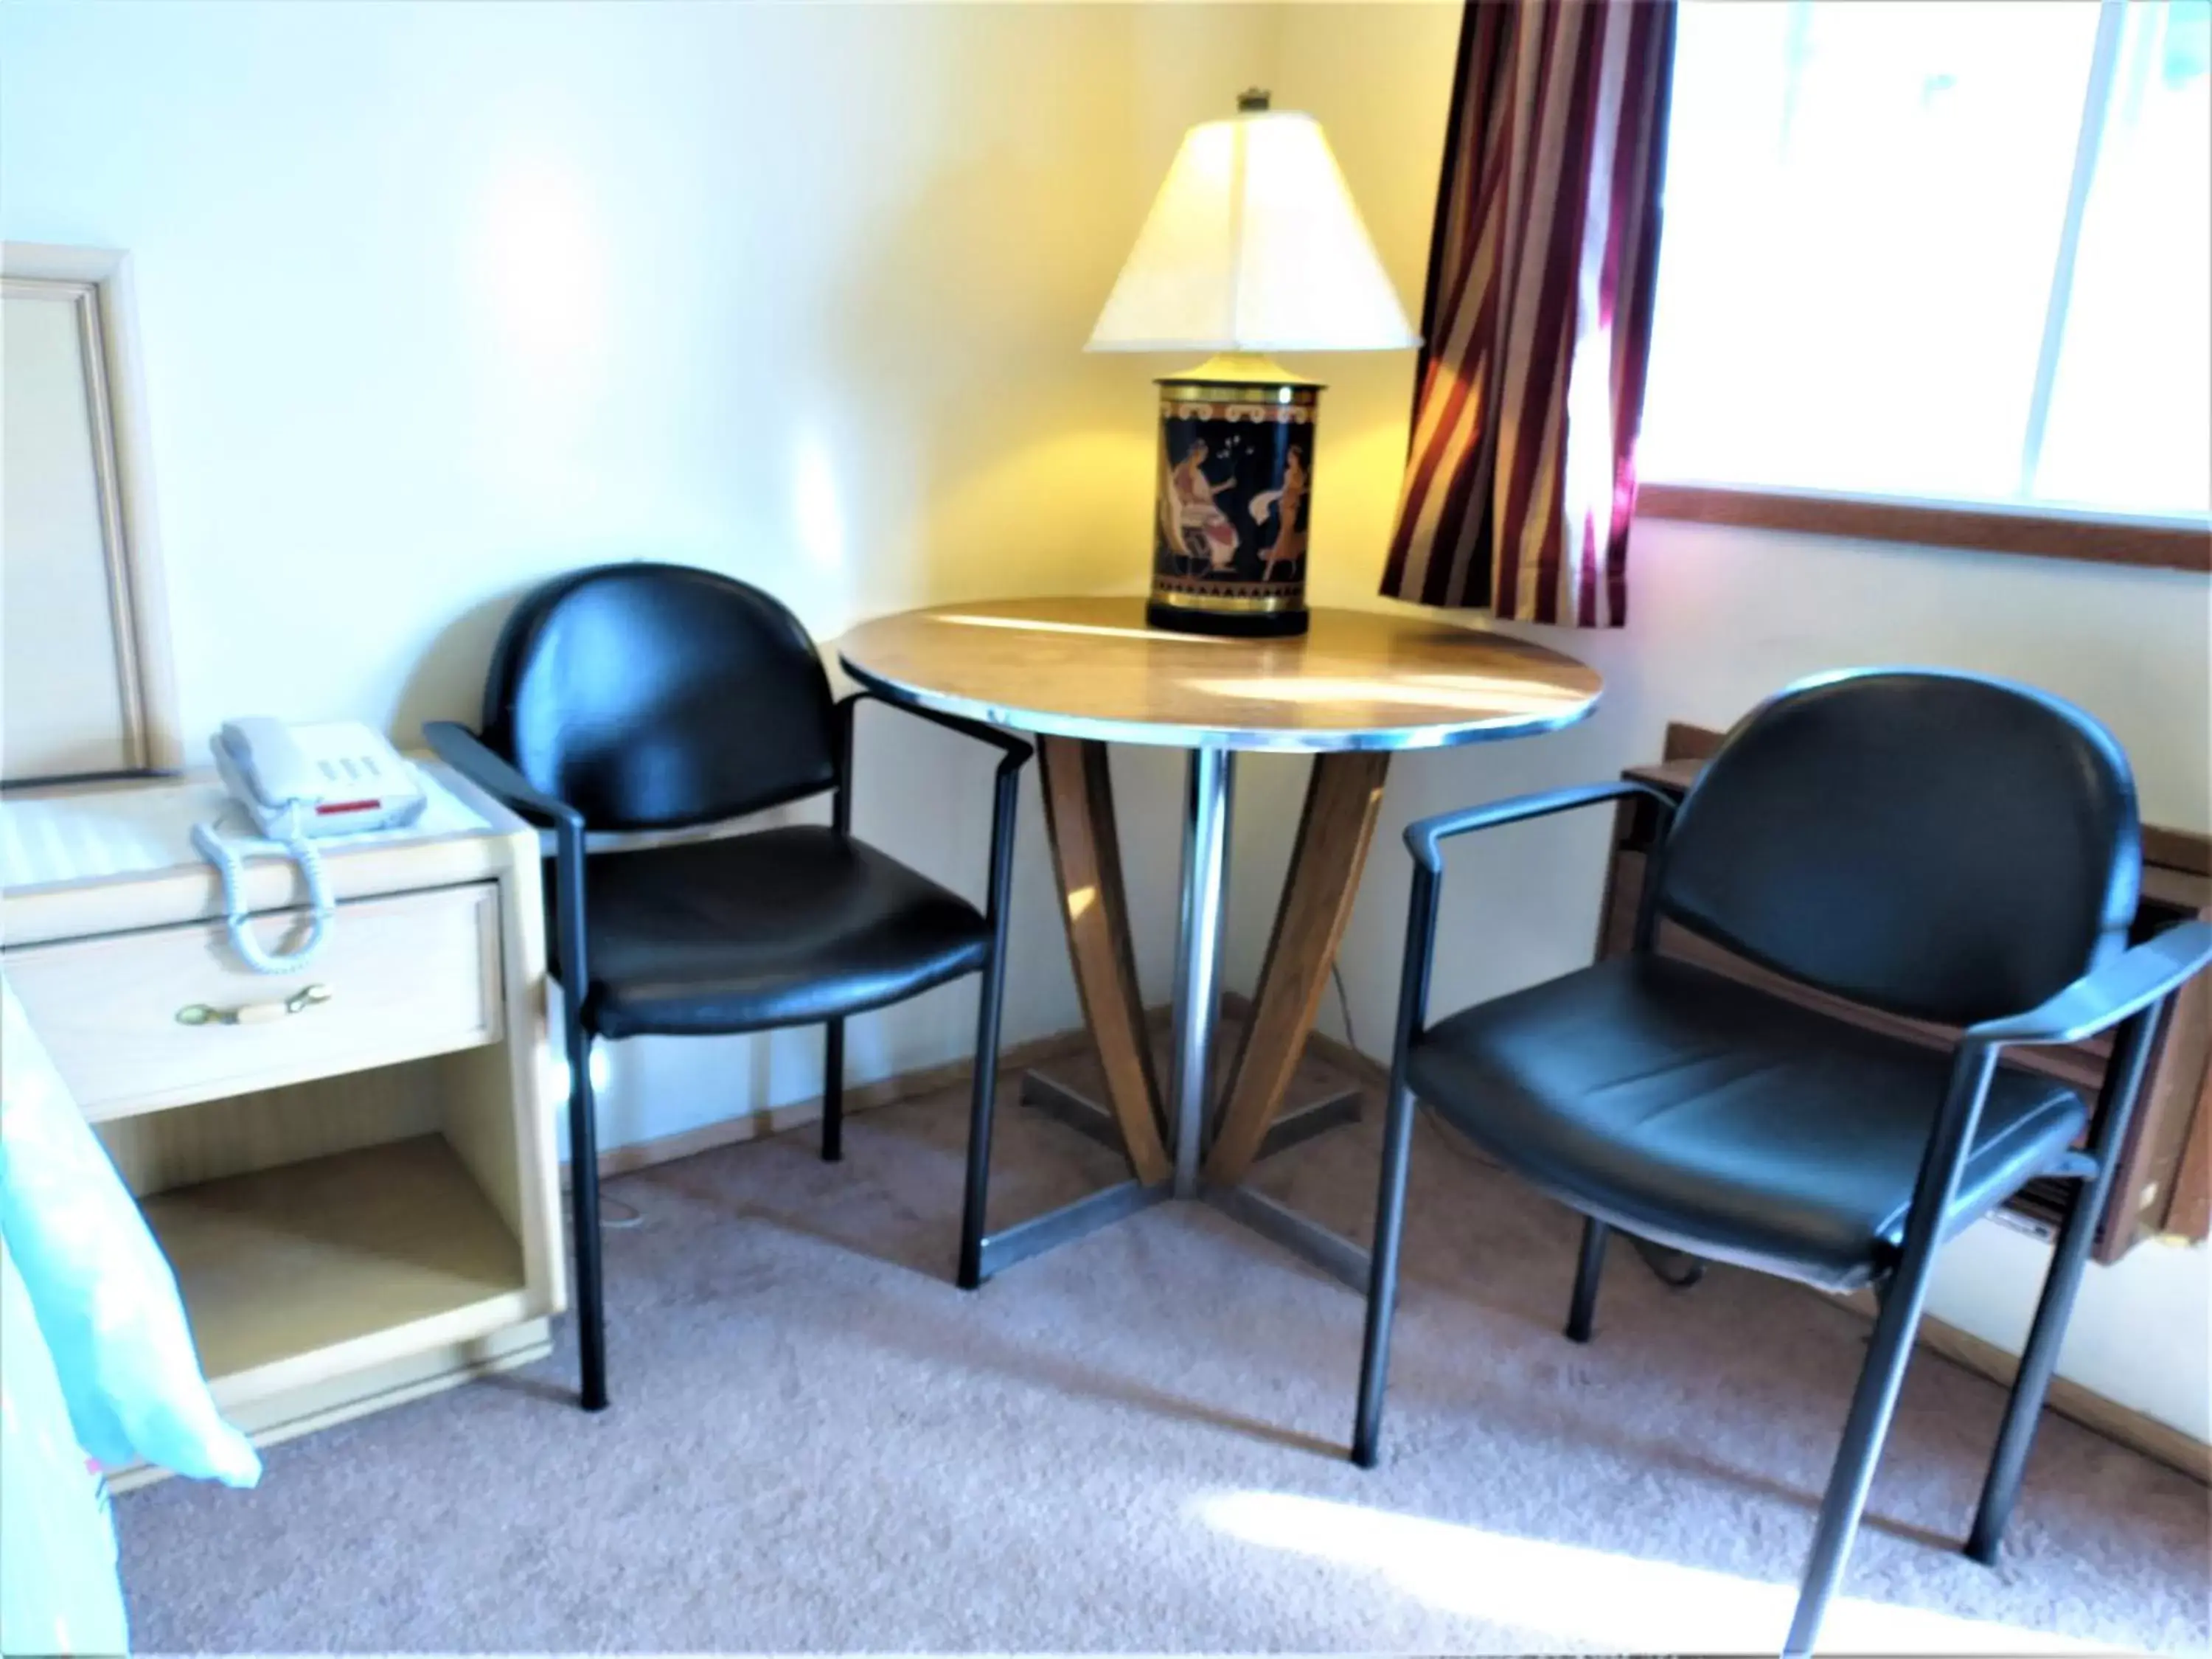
point(1252, 246)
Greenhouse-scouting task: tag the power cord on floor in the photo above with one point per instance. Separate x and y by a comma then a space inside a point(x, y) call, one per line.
point(631, 1216)
point(1343, 1007)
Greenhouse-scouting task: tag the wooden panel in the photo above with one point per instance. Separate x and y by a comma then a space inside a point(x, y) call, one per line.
point(1624, 883)
point(1343, 797)
point(1086, 856)
point(2190, 1213)
point(2081, 1065)
point(238, 1135)
point(1687, 741)
point(410, 976)
point(1091, 668)
point(294, 1275)
point(2039, 533)
point(2151, 1163)
point(2176, 850)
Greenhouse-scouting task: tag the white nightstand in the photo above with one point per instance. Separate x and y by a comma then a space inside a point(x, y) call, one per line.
point(356, 1182)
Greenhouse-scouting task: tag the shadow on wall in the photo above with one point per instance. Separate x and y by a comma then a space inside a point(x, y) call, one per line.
point(997, 459)
point(447, 680)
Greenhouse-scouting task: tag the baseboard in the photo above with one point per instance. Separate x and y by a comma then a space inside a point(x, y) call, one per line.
point(859, 1098)
point(2131, 1428)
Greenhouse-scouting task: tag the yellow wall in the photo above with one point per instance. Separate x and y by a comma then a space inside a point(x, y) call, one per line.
point(1378, 77)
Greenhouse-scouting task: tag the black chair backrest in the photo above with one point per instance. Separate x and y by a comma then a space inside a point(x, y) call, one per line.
point(649, 696)
point(1938, 845)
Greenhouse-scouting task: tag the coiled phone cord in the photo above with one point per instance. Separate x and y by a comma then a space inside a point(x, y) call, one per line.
point(232, 868)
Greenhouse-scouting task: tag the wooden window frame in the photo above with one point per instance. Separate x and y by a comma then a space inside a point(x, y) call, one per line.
point(2143, 543)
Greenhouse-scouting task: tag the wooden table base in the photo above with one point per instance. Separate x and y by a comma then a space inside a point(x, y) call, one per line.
point(1121, 1103)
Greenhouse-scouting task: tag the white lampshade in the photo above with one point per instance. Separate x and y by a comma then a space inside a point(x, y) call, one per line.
point(1253, 245)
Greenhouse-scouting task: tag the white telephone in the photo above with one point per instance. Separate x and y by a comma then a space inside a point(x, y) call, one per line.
point(299, 783)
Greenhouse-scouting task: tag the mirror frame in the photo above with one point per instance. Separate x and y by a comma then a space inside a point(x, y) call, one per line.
point(97, 283)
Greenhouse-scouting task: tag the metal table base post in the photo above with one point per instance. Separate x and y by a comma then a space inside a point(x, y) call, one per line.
point(1024, 1239)
point(1198, 961)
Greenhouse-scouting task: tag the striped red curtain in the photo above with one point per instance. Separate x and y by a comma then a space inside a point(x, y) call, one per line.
point(1521, 474)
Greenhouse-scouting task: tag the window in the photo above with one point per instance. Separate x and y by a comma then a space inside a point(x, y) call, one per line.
point(1958, 252)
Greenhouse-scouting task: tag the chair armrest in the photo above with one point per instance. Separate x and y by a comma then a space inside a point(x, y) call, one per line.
point(1424, 835)
point(1016, 752)
point(2126, 985)
point(467, 754)
point(1425, 838)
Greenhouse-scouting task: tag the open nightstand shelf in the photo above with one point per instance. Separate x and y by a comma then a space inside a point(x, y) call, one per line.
point(310, 1269)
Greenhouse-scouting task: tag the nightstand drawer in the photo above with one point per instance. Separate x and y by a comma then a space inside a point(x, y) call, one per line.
point(138, 1021)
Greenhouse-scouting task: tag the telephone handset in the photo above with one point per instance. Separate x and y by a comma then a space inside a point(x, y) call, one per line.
point(299, 783)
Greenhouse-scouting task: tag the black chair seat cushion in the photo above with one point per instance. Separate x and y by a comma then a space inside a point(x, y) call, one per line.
point(1700, 1112)
point(787, 926)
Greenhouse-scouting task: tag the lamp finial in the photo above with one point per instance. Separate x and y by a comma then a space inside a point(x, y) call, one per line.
point(1251, 99)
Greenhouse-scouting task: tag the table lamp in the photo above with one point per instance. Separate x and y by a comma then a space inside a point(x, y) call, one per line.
point(1253, 246)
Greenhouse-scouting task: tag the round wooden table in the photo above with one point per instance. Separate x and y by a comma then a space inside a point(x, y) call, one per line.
point(1080, 673)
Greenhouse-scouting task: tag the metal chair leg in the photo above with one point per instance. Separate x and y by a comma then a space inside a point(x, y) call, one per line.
point(983, 1098)
point(2036, 1361)
point(2116, 1104)
point(1873, 1403)
point(584, 1210)
point(1595, 1233)
point(1382, 1275)
point(833, 1092)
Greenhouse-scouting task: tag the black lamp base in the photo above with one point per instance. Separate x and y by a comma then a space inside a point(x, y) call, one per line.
point(1236, 488)
point(1237, 624)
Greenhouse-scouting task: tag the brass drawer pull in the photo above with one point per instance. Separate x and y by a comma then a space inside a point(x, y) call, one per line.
point(254, 1014)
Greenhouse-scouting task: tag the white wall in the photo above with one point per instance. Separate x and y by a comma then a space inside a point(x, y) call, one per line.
point(1718, 618)
point(439, 300)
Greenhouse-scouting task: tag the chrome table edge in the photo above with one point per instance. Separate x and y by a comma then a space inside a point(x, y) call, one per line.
point(1317, 740)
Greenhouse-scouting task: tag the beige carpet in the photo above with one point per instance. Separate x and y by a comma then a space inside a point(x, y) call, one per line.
point(1136, 1443)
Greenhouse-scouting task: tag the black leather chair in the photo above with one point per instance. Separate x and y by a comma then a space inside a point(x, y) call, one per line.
point(653, 696)
point(1936, 845)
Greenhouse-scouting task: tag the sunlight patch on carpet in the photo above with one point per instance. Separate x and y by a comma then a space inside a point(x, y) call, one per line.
point(1589, 1595)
